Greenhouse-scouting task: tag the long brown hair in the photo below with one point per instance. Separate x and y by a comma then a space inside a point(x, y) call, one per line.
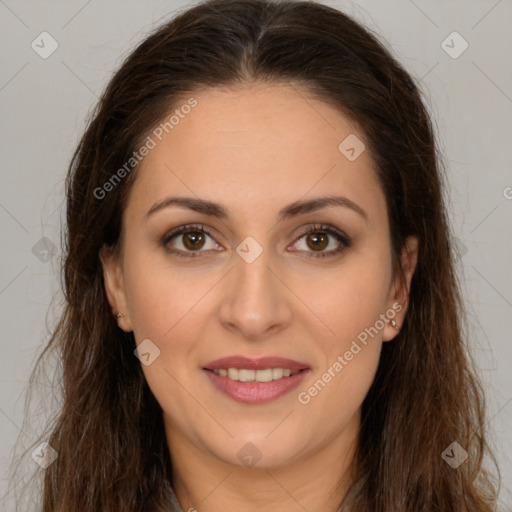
point(109, 433)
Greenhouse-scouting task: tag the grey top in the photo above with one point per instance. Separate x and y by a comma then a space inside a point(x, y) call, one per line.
point(175, 505)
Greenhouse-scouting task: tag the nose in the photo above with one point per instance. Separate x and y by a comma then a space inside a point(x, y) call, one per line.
point(256, 303)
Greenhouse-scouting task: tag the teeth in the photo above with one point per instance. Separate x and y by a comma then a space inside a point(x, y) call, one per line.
point(264, 375)
point(245, 375)
point(277, 373)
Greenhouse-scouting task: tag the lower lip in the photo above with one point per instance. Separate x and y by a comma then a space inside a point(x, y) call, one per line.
point(256, 392)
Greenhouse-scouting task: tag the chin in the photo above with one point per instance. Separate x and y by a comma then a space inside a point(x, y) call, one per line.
point(257, 451)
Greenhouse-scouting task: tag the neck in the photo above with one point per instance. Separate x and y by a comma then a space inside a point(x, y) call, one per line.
point(316, 482)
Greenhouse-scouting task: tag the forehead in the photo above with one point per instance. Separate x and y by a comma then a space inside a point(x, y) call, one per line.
point(254, 147)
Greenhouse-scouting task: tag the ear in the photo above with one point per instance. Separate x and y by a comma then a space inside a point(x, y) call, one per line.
point(398, 300)
point(114, 286)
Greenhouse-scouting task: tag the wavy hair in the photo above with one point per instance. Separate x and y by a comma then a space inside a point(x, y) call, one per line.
point(109, 432)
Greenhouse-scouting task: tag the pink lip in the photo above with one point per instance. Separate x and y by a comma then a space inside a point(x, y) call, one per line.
point(256, 392)
point(255, 364)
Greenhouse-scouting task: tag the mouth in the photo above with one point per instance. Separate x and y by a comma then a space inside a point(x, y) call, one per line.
point(255, 381)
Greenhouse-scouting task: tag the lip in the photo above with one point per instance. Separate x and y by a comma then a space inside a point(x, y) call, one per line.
point(256, 392)
point(255, 364)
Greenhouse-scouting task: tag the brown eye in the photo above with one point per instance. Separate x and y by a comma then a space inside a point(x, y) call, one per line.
point(319, 241)
point(188, 241)
point(193, 240)
point(319, 237)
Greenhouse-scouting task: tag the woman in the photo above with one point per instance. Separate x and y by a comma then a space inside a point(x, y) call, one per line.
point(261, 305)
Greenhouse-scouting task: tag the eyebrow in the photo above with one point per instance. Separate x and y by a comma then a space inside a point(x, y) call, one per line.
point(292, 210)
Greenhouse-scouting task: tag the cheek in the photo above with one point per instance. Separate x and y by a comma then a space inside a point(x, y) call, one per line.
point(351, 307)
point(346, 369)
point(166, 307)
point(170, 306)
point(162, 298)
point(354, 294)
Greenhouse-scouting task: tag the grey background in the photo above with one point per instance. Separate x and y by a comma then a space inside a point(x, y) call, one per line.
point(44, 106)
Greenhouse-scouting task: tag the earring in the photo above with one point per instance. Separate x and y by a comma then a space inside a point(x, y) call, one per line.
point(395, 325)
point(119, 315)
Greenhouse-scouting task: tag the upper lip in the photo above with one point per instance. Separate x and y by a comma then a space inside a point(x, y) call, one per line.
point(255, 364)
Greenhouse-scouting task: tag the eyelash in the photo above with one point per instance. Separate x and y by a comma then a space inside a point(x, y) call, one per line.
point(322, 228)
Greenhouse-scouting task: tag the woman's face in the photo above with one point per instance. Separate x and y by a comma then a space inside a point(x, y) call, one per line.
point(254, 286)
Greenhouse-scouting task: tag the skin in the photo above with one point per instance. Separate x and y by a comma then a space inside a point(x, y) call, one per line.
point(255, 149)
